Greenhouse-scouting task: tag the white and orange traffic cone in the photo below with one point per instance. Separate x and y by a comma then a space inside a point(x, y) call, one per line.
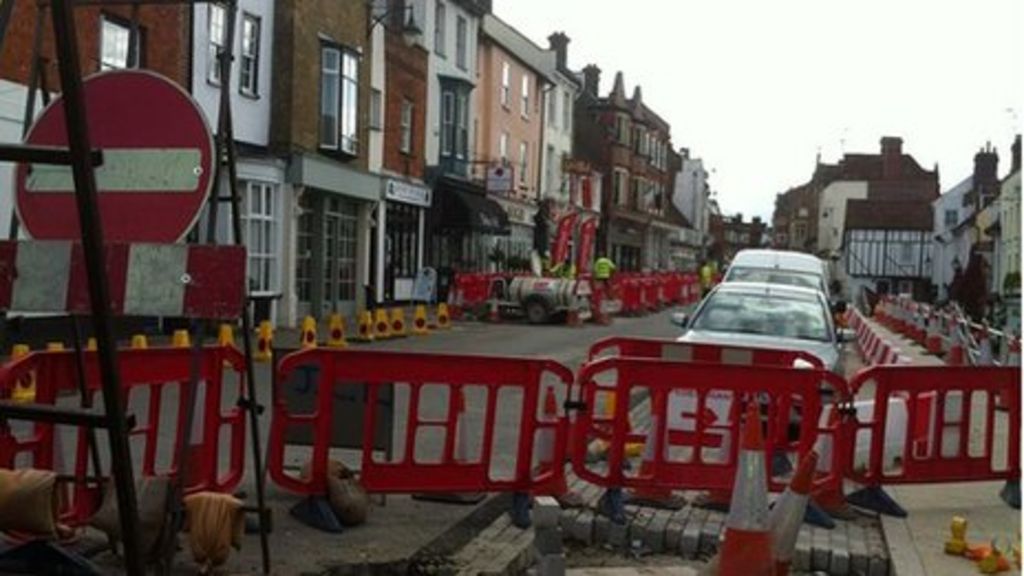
point(985, 356)
point(747, 548)
point(933, 337)
point(493, 311)
point(955, 356)
point(1013, 352)
point(787, 515)
point(654, 495)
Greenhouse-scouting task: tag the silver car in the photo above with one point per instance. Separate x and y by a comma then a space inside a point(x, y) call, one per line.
point(762, 315)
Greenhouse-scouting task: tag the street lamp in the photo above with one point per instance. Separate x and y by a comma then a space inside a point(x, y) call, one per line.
point(409, 26)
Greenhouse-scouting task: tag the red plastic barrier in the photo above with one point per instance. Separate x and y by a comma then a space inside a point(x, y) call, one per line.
point(695, 390)
point(153, 372)
point(949, 433)
point(449, 471)
point(666, 349)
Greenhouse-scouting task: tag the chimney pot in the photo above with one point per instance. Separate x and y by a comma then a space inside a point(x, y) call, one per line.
point(591, 79)
point(559, 43)
point(892, 157)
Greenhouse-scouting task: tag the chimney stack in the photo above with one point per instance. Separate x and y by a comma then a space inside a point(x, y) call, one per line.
point(892, 157)
point(986, 168)
point(1015, 155)
point(559, 43)
point(591, 79)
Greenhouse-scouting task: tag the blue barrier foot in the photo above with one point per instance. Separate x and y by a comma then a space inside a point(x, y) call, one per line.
point(874, 498)
point(41, 557)
point(781, 466)
point(1011, 493)
point(316, 512)
point(520, 512)
point(815, 516)
point(612, 505)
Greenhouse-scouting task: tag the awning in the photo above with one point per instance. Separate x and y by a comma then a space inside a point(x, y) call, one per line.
point(461, 209)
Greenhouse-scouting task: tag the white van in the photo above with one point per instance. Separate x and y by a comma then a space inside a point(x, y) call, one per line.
point(779, 267)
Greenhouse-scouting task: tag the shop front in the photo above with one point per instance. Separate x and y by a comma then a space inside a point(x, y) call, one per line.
point(332, 240)
point(511, 252)
point(399, 239)
point(626, 243)
point(463, 223)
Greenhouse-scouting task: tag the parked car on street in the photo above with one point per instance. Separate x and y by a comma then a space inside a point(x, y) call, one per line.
point(767, 315)
point(779, 267)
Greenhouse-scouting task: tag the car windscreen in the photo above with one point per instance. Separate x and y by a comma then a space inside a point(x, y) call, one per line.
point(764, 314)
point(775, 276)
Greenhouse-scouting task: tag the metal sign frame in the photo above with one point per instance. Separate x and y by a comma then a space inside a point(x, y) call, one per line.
point(83, 159)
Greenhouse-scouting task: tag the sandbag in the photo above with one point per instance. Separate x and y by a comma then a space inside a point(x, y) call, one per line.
point(28, 501)
point(151, 494)
point(215, 523)
point(346, 496)
point(348, 500)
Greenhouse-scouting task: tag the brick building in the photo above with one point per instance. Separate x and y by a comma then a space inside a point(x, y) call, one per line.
point(630, 144)
point(730, 234)
point(320, 126)
point(399, 226)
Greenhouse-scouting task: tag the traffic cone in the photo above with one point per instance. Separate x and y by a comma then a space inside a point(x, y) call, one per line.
point(444, 321)
point(830, 497)
point(654, 495)
point(139, 342)
point(364, 330)
point(933, 338)
point(54, 346)
point(336, 332)
point(747, 548)
point(1013, 352)
point(493, 311)
point(398, 322)
point(25, 389)
point(381, 325)
point(955, 356)
point(309, 339)
point(226, 336)
point(90, 344)
point(264, 342)
point(181, 339)
point(787, 515)
point(985, 357)
point(419, 321)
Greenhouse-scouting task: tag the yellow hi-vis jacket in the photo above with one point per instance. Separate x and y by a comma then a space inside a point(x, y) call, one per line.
point(603, 268)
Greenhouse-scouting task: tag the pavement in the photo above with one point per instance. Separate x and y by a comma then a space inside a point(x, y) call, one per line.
point(916, 542)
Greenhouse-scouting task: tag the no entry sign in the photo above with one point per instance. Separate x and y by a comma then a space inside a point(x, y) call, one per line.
point(157, 162)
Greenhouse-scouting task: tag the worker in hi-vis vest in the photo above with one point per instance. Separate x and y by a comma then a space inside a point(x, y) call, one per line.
point(706, 278)
point(603, 268)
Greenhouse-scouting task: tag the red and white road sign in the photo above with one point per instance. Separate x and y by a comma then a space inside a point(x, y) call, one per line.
point(157, 167)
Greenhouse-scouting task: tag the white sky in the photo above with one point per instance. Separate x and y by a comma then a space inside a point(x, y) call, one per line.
point(756, 87)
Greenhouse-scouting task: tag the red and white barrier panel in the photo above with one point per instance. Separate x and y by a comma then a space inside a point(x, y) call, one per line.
point(144, 279)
